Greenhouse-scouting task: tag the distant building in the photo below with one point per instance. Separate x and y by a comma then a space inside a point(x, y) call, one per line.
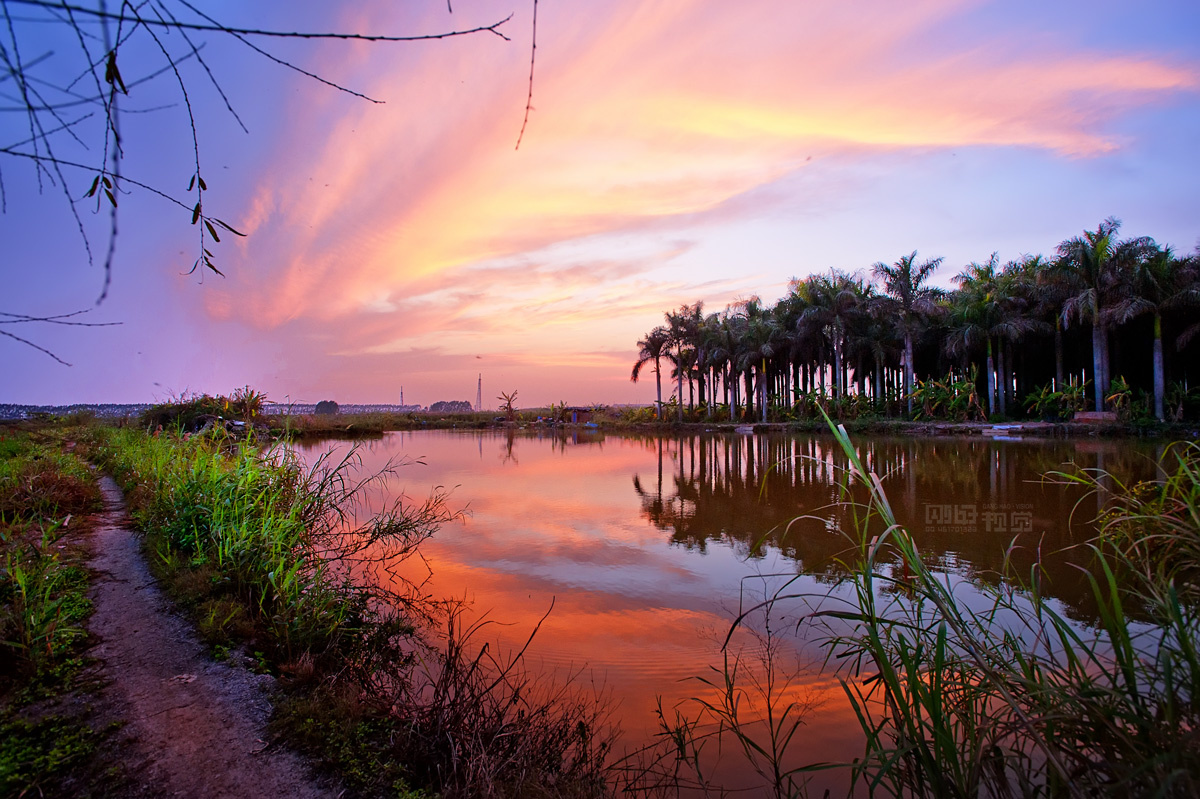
point(579, 415)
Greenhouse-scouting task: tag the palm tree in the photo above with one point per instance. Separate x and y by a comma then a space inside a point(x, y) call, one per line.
point(714, 352)
point(1022, 308)
point(685, 362)
point(912, 303)
point(836, 301)
point(759, 339)
point(1048, 290)
point(991, 305)
point(684, 328)
point(1088, 263)
point(1158, 282)
point(878, 337)
point(652, 348)
point(974, 317)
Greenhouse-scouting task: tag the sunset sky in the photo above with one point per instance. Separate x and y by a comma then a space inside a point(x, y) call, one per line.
point(677, 152)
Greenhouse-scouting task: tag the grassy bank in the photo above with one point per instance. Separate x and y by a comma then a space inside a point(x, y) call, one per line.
point(243, 413)
point(384, 685)
point(52, 735)
point(399, 695)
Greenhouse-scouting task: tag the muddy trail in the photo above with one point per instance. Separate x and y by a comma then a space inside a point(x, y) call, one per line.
point(193, 727)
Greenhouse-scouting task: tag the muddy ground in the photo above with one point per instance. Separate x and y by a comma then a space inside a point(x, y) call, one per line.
point(192, 727)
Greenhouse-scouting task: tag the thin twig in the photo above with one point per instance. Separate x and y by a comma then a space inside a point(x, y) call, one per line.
point(529, 97)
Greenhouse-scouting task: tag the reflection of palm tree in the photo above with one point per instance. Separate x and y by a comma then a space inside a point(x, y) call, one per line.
point(652, 348)
point(912, 303)
point(510, 436)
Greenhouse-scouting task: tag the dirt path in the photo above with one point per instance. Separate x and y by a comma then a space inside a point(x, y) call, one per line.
point(194, 727)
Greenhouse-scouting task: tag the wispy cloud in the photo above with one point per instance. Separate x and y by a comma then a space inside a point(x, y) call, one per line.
point(415, 224)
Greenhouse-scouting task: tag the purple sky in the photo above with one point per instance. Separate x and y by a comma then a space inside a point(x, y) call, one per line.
point(678, 152)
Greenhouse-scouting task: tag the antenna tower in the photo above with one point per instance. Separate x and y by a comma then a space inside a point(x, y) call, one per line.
point(479, 394)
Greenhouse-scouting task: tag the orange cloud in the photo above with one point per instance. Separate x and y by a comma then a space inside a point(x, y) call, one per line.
point(416, 222)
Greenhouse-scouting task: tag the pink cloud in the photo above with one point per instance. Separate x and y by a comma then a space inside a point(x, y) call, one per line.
point(415, 222)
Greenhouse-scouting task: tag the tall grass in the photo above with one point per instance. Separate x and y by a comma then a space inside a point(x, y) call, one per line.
point(261, 544)
point(279, 537)
point(43, 602)
point(999, 698)
point(1154, 526)
point(48, 733)
point(1015, 699)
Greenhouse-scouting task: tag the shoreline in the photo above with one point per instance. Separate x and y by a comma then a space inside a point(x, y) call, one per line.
point(355, 421)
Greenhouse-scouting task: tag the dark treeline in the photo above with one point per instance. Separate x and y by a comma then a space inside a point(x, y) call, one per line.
point(1104, 324)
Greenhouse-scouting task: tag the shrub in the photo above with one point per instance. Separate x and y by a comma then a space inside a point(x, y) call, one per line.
point(451, 406)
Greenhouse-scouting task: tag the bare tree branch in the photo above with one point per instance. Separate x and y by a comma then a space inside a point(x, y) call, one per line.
point(277, 34)
point(59, 140)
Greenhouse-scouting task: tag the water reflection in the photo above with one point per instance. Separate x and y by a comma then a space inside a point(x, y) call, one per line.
point(969, 502)
point(642, 542)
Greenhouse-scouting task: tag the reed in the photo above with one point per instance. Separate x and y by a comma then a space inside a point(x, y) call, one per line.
point(1015, 699)
point(1002, 698)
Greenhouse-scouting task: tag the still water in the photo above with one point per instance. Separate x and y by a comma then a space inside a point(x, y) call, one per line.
point(645, 547)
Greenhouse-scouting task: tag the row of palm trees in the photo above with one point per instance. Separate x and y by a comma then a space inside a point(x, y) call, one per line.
point(842, 335)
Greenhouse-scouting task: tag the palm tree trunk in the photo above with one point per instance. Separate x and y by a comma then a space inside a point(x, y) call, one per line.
point(1002, 379)
point(1104, 363)
point(679, 378)
point(749, 385)
point(658, 383)
point(837, 367)
point(991, 379)
point(1098, 364)
point(729, 398)
point(1020, 377)
point(878, 383)
point(908, 370)
point(1058, 353)
point(1159, 379)
point(762, 382)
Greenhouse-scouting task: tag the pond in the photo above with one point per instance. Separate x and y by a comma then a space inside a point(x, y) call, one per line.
point(639, 550)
